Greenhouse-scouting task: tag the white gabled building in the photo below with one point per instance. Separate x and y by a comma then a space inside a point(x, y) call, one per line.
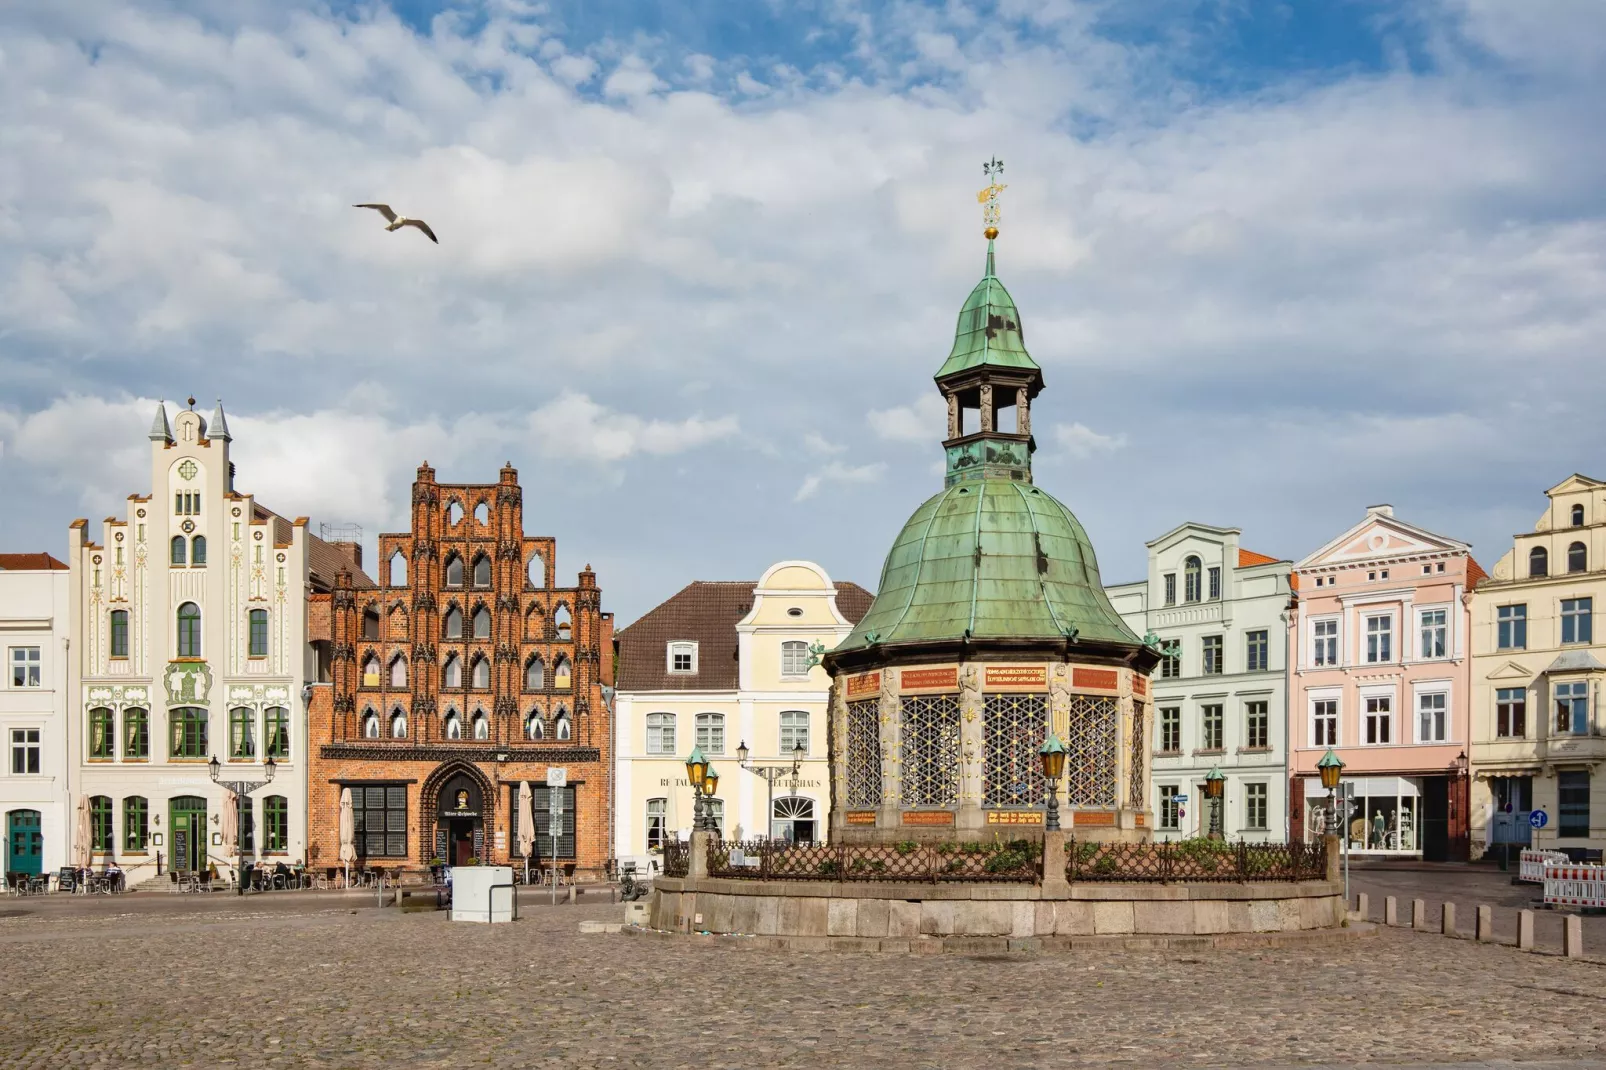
point(34, 633)
point(1222, 702)
point(189, 642)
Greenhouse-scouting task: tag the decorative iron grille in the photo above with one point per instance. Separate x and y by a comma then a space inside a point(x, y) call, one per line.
point(862, 762)
point(1013, 728)
point(930, 750)
point(677, 857)
point(1195, 860)
point(1092, 767)
point(1137, 789)
point(1015, 861)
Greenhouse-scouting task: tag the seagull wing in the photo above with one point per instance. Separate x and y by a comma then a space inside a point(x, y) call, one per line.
point(423, 226)
point(382, 209)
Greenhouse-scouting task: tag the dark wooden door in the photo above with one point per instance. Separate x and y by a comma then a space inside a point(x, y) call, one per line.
point(462, 842)
point(25, 842)
point(1435, 819)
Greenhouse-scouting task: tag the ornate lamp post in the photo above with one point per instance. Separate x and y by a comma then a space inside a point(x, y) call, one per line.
point(696, 766)
point(241, 789)
point(771, 773)
point(1214, 780)
point(710, 784)
point(1461, 804)
point(1331, 767)
point(1052, 755)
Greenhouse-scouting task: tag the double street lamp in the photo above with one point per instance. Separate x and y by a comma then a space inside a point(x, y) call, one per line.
point(241, 789)
point(1331, 768)
point(704, 781)
point(772, 773)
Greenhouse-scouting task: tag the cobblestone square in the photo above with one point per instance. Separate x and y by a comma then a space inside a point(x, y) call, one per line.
point(327, 980)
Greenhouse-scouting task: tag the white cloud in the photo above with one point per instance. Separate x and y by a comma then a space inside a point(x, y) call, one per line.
point(837, 472)
point(925, 420)
point(574, 426)
point(1082, 441)
point(814, 442)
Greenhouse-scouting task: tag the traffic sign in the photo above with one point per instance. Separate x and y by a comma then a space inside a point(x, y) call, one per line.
point(1538, 819)
point(557, 778)
point(1182, 798)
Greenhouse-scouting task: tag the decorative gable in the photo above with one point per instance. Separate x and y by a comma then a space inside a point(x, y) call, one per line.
point(1379, 537)
point(1511, 671)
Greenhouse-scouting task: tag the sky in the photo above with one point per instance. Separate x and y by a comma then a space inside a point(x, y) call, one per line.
point(698, 262)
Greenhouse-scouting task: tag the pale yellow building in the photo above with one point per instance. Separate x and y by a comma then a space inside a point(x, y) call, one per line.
point(720, 665)
point(1538, 664)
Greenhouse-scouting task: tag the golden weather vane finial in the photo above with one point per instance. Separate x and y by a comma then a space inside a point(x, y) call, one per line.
point(988, 198)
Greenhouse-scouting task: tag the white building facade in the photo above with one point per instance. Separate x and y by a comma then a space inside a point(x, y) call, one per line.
point(35, 637)
point(1221, 702)
point(189, 643)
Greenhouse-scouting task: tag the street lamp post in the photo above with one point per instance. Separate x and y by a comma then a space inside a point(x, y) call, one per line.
point(1463, 804)
point(696, 766)
point(241, 789)
point(710, 783)
point(1052, 755)
point(772, 773)
point(1214, 780)
point(1331, 768)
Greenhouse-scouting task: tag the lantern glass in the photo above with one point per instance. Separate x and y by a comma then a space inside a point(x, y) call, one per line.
point(1213, 783)
point(1053, 763)
point(710, 782)
point(742, 752)
point(1331, 768)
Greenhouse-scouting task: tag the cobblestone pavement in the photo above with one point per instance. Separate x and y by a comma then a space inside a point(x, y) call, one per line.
point(318, 981)
point(1468, 887)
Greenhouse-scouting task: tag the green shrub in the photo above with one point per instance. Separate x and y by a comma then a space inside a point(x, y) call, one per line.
point(905, 847)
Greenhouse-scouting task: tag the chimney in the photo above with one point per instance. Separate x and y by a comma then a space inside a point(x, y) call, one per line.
point(1380, 510)
point(351, 551)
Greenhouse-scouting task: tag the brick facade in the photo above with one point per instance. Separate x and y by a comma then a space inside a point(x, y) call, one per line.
point(393, 727)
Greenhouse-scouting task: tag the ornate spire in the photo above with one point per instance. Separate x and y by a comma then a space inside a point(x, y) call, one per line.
point(218, 428)
point(988, 199)
point(161, 430)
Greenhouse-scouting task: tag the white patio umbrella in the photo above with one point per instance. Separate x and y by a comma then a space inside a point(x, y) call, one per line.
point(348, 833)
point(526, 825)
point(231, 833)
point(83, 836)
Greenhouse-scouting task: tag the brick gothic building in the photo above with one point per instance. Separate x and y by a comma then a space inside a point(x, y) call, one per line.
point(463, 673)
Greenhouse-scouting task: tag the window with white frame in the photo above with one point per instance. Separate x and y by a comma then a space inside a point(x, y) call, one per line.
point(1379, 723)
point(1324, 642)
point(1572, 708)
point(1191, 576)
point(1433, 624)
point(1170, 664)
point(1379, 638)
point(1432, 723)
point(711, 732)
point(24, 666)
point(1170, 729)
point(657, 822)
point(1257, 648)
point(25, 759)
point(1212, 661)
point(1211, 725)
point(794, 731)
point(1511, 627)
point(1324, 722)
point(1255, 809)
point(1170, 808)
point(1170, 580)
point(682, 657)
point(794, 658)
point(1575, 620)
point(1511, 713)
point(1215, 581)
point(660, 733)
point(1257, 725)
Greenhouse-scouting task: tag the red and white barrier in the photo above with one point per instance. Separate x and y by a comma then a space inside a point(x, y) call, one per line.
point(1575, 886)
point(1531, 864)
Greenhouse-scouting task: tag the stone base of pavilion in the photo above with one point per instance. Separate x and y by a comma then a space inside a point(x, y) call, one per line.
point(1043, 913)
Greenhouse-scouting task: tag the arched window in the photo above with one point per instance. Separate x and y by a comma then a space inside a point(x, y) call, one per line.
point(189, 630)
point(454, 512)
point(398, 622)
point(370, 725)
point(398, 671)
point(560, 725)
point(454, 571)
point(535, 571)
point(482, 571)
point(534, 674)
point(398, 569)
point(136, 822)
point(119, 633)
point(188, 725)
point(482, 673)
point(454, 727)
point(454, 623)
point(482, 623)
point(482, 726)
point(711, 732)
point(398, 724)
point(276, 732)
point(242, 732)
point(257, 633)
point(370, 623)
point(1538, 562)
point(100, 823)
point(198, 550)
point(275, 823)
point(452, 672)
point(102, 733)
point(560, 620)
point(1578, 516)
point(1577, 558)
point(1190, 579)
point(370, 671)
point(136, 734)
point(792, 819)
point(178, 550)
point(534, 622)
point(560, 674)
point(482, 513)
point(533, 728)
point(660, 733)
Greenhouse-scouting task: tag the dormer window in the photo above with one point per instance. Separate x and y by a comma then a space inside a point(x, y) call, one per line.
point(683, 657)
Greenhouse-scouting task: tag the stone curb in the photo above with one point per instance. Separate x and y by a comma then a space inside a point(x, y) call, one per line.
point(938, 945)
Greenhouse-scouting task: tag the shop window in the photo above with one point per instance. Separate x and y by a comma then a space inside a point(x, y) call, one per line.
point(1572, 805)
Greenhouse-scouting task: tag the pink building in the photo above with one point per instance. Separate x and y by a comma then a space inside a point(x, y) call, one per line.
point(1380, 668)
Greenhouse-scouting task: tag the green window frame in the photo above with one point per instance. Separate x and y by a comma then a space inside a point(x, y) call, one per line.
point(259, 633)
point(276, 823)
point(119, 629)
point(198, 550)
point(136, 734)
point(242, 732)
point(102, 733)
point(136, 823)
point(189, 728)
point(178, 551)
point(189, 630)
point(100, 823)
point(276, 733)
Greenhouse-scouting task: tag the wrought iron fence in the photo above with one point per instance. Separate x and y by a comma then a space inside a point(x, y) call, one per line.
point(677, 857)
point(1015, 860)
point(1195, 860)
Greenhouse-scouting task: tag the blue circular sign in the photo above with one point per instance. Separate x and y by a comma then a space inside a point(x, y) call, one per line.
point(1538, 819)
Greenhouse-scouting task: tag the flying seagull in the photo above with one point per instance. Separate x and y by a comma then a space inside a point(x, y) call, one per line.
point(398, 221)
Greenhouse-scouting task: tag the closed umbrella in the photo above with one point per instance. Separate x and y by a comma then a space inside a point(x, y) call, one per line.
point(526, 825)
point(348, 833)
point(231, 832)
point(84, 836)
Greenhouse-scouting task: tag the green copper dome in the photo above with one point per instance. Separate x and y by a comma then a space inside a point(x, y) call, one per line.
point(989, 331)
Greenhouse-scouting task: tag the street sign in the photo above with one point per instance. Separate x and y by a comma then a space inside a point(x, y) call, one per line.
point(557, 778)
point(1182, 798)
point(1538, 819)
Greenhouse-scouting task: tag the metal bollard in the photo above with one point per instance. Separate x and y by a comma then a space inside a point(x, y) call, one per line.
point(1391, 910)
point(1525, 930)
point(1572, 936)
point(1447, 923)
point(1419, 914)
point(1483, 926)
